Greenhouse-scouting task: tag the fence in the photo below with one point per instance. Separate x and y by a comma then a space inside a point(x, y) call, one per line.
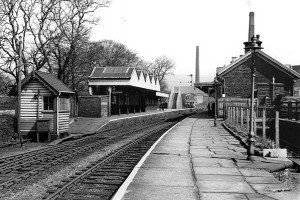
point(223, 102)
point(262, 116)
point(290, 110)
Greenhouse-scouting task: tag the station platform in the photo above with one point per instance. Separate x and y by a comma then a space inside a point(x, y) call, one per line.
point(84, 125)
point(195, 160)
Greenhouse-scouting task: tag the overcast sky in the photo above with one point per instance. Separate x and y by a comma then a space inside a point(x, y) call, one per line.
point(219, 27)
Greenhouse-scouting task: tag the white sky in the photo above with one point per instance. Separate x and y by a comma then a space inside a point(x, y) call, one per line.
point(219, 27)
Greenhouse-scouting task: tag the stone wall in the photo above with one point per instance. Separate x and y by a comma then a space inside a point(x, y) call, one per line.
point(7, 127)
point(89, 106)
point(145, 119)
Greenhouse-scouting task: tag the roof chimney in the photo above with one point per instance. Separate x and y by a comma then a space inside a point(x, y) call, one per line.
point(232, 59)
point(197, 79)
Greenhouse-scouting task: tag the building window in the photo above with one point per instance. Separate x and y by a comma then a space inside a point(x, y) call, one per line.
point(48, 103)
point(64, 104)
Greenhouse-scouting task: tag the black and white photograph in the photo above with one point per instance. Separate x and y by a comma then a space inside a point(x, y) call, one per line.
point(149, 100)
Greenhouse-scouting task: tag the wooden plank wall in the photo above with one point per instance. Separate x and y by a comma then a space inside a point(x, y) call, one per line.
point(29, 103)
point(63, 121)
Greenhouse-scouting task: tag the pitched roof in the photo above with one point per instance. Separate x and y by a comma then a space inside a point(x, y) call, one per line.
point(112, 72)
point(262, 55)
point(50, 81)
point(296, 68)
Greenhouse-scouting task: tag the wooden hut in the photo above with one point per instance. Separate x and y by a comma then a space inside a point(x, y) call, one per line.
point(45, 104)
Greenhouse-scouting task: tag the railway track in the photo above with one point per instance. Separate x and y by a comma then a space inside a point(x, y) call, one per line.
point(14, 169)
point(102, 178)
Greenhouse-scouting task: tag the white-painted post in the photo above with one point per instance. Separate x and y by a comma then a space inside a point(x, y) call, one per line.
point(277, 129)
point(264, 124)
point(242, 116)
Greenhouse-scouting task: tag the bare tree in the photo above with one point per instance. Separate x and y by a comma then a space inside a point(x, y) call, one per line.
point(113, 54)
point(14, 22)
point(161, 67)
point(51, 31)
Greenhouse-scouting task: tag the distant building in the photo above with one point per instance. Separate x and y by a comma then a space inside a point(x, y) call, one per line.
point(187, 97)
point(125, 89)
point(273, 79)
point(297, 84)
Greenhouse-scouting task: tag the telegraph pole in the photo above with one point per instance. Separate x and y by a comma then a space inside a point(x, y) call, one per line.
point(19, 50)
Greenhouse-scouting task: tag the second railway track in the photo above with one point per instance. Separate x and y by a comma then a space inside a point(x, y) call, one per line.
point(14, 169)
point(101, 179)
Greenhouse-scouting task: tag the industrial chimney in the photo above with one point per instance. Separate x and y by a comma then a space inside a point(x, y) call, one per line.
point(197, 79)
point(251, 26)
point(250, 32)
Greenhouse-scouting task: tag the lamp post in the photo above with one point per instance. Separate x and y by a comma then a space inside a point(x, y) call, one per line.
point(216, 97)
point(254, 45)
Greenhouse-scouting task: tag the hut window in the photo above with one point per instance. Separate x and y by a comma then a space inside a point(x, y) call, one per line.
point(64, 104)
point(48, 103)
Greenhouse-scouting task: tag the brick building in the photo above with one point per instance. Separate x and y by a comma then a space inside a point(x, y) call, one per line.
point(273, 79)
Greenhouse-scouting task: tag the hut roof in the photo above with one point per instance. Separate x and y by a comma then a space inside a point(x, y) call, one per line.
point(50, 81)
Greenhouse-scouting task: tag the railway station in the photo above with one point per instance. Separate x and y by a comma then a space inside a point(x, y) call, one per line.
point(235, 137)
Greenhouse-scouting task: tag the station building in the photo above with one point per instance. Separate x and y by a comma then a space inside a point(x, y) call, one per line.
point(273, 80)
point(125, 89)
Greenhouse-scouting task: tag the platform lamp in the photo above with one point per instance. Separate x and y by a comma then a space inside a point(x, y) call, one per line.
point(254, 45)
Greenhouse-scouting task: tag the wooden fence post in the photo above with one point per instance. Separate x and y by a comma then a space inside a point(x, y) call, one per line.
point(277, 129)
point(236, 115)
point(264, 124)
point(242, 113)
point(233, 115)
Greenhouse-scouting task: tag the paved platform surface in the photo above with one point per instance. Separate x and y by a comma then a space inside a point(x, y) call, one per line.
point(196, 160)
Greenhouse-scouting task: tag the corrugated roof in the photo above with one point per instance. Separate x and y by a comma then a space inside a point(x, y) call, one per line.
point(138, 72)
point(50, 81)
point(112, 72)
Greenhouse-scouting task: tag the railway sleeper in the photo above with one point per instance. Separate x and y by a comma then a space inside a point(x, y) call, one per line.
point(102, 182)
point(6, 171)
point(105, 177)
point(83, 198)
point(113, 170)
point(118, 165)
point(99, 187)
point(110, 174)
point(100, 193)
point(25, 169)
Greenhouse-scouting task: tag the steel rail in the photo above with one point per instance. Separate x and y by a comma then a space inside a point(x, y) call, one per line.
point(68, 186)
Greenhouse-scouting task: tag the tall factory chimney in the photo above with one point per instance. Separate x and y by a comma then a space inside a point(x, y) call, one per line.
point(250, 32)
point(251, 26)
point(197, 79)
